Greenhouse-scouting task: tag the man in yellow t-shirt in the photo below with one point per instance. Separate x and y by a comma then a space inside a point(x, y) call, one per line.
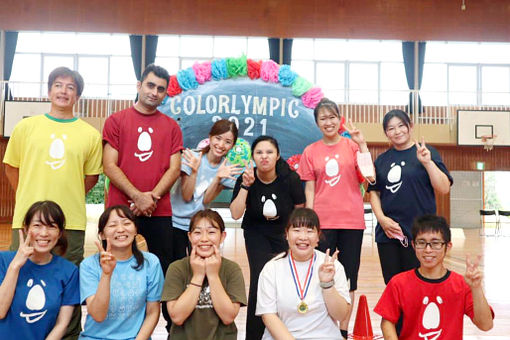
point(57, 157)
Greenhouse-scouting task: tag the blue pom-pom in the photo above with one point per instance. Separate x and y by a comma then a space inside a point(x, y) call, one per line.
point(286, 76)
point(187, 79)
point(345, 134)
point(219, 69)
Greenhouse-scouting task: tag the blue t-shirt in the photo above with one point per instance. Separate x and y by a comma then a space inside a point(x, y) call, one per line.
point(130, 290)
point(40, 292)
point(404, 188)
point(183, 211)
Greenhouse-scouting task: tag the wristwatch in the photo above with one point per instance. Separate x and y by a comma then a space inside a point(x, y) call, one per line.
point(326, 285)
point(245, 187)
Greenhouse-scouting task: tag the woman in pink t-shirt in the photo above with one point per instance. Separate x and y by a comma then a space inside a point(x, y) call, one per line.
point(330, 169)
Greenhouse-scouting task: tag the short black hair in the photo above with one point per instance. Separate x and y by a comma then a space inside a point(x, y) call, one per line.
point(158, 71)
point(66, 72)
point(404, 117)
point(431, 223)
point(328, 105)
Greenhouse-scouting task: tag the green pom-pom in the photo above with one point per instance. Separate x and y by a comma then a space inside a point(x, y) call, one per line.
point(237, 67)
point(300, 86)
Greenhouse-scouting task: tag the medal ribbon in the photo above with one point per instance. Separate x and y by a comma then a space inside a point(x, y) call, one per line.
point(302, 291)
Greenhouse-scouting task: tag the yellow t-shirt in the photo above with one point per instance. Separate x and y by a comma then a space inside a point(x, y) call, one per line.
point(53, 156)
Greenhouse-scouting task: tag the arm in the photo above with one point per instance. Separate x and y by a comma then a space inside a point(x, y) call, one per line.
point(90, 181)
point(309, 193)
point(387, 224)
point(97, 304)
point(223, 306)
point(238, 205)
point(336, 305)
point(276, 327)
point(188, 185)
point(169, 177)
point(213, 190)
point(482, 314)
point(150, 321)
point(63, 319)
point(389, 330)
point(12, 174)
point(438, 179)
point(224, 172)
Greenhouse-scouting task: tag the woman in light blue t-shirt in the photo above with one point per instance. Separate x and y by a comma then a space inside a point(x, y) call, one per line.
point(204, 175)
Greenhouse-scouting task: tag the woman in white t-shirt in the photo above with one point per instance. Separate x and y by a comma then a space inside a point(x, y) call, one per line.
point(302, 292)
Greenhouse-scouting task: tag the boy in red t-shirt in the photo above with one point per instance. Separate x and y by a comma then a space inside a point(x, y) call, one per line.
point(431, 299)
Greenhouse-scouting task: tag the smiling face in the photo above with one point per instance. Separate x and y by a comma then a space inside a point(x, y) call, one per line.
point(205, 234)
point(219, 145)
point(151, 91)
point(398, 133)
point(63, 93)
point(430, 258)
point(328, 122)
point(43, 234)
point(119, 230)
point(265, 156)
point(302, 241)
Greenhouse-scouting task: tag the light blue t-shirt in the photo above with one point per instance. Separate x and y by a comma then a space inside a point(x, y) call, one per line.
point(130, 290)
point(183, 211)
point(40, 292)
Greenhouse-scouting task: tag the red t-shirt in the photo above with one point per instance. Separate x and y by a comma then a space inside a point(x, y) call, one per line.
point(429, 307)
point(337, 201)
point(145, 144)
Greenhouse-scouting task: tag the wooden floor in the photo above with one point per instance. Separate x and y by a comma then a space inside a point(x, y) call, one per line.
point(495, 251)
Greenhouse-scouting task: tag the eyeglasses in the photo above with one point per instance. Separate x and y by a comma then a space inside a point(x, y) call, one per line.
point(422, 244)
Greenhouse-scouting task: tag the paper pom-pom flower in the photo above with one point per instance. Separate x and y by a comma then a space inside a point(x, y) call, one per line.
point(187, 79)
point(312, 97)
point(293, 162)
point(300, 86)
point(269, 71)
point(219, 69)
point(237, 66)
point(286, 76)
point(253, 68)
point(173, 87)
point(203, 144)
point(202, 72)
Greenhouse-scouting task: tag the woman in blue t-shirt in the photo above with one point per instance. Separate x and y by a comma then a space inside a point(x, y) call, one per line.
point(406, 176)
point(39, 290)
point(204, 175)
point(120, 284)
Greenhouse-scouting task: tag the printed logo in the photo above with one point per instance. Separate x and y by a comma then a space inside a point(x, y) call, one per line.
point(144, 144)
point(395, 176)
point(36, 299)
point(57, 152)
point(332, 171)
point(269, 209)
point(431, 319)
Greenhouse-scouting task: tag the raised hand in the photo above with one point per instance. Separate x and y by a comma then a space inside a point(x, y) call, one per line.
point(327, 269)
point(473, 276)
point(191, 160)
point(422, 153)
point(228, 171)
point(106, 259)
point(390, 227)
point(25, 250)
point(355, 133)
point(213, 263)
point(249, 174)
point(197, 264)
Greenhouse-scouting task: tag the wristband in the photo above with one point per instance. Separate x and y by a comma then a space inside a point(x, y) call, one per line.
point(245, 187)
point(326, 285)
point(195, 284)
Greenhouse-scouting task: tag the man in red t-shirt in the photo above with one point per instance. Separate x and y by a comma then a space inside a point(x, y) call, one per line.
point(141, 156)
point(431, 299)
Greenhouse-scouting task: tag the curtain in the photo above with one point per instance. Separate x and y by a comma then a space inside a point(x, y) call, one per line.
point(11, 40)
point(409, 59)
point(151, 45)
point(274, 50)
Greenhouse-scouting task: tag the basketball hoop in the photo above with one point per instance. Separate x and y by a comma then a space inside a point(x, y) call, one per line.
point(488, 142)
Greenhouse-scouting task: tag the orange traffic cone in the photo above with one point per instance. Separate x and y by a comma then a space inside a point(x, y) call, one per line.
point(363, 325)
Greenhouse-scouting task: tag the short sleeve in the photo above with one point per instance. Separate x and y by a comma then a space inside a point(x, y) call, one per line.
point(388, 305)
point(296, 189)
point(266, 291)
point(175, 282)
point(341, 285)
point(90, 273)
point(436, 158)
point(111, 131)
point(4, 264)
point(237, 187)
point(71, 293)
point(154, 278)
point(235, 284)
point(93, 163)
point(176, 138)
point(305, 168)
point(13, 151)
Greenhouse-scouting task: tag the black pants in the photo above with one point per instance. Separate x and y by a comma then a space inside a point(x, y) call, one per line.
point(395, 259)
point(262, 244)
point(180, 246)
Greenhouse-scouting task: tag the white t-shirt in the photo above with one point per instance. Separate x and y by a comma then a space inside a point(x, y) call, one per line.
point(277, 294)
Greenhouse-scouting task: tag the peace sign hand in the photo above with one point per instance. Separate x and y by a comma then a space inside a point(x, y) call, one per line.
point(248, 175)
point(106, 259)
point(422, 153)
point(191, 160)
point(473, 274)
point(25, 250)
point(327, 269)
point(228, 171)
point(355, 133)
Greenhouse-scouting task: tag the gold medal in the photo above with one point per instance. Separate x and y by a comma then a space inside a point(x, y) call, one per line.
point(302, 307)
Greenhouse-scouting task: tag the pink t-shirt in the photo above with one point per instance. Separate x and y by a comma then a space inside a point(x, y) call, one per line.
point(337, 201)
point(145, 144)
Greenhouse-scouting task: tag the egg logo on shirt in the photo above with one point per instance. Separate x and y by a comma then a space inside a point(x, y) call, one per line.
point(395, 176)
point(269, 209)
point(332, 171)
point(36, 299)
point(57, 152)
point(144, 144)
point(431, 319)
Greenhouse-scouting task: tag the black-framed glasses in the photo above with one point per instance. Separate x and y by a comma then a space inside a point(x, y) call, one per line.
point(422, 244)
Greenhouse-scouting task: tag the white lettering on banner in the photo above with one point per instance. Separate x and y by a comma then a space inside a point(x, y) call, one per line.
point(189, 105)
point(246, 103)
point(172, 106)
point(223, 104)
point(259, 105)
point(211, 104)
point(200, 111)
point(233, 107)
point(249, 121)
point(274, 103)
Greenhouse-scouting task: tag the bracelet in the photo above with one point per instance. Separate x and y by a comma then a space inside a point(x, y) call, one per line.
point(195, 284)
point(326, 285)
point(245, 187)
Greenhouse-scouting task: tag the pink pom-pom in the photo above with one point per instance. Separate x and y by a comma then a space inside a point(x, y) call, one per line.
point(269, 71)
point(312, 97)
point(202, 71)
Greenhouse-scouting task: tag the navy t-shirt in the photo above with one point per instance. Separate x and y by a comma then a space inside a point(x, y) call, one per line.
point(404, 188)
